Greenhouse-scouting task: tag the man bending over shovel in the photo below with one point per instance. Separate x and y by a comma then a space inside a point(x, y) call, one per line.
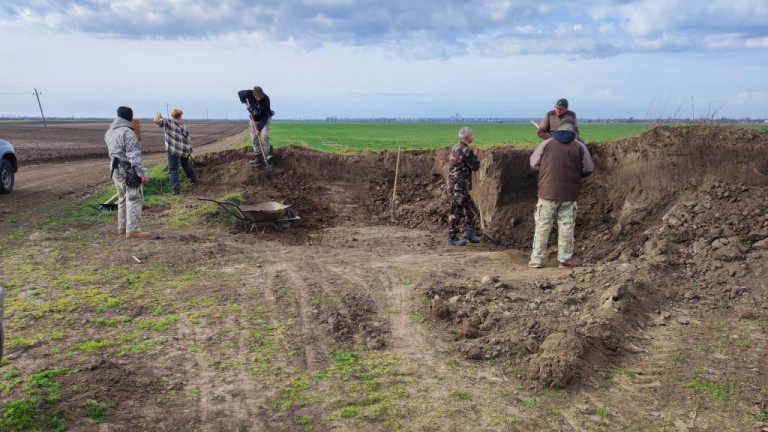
point(260, 112)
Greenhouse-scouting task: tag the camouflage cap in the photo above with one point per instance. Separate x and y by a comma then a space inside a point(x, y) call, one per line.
point(562, 103)
point(567, 124)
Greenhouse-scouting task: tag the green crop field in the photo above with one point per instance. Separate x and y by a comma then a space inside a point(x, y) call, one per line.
point(352, 137)
point(345, 137)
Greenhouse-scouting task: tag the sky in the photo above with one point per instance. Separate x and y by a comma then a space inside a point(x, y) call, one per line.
point(645, 59)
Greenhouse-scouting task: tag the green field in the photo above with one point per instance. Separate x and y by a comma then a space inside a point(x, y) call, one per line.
point(345, 137)
point(351, 137)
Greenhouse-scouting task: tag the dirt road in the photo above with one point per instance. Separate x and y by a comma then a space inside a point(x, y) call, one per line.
point(41, 189)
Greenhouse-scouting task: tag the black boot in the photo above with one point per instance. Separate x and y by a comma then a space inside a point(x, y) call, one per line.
point(455, 241)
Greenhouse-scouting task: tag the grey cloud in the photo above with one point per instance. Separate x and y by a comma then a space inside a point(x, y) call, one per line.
point(419, 29)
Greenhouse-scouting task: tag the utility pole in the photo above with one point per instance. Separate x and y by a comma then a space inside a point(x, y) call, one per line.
point(167, 113)
point(37, 95)
point(206, 113)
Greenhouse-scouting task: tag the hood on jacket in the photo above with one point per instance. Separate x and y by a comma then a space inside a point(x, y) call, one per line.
point(119, 122)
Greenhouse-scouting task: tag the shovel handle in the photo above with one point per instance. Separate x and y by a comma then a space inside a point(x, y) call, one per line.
point(109, 201)
point(397, 171)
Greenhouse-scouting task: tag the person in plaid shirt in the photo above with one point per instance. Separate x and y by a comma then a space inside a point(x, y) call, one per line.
point(178, 148)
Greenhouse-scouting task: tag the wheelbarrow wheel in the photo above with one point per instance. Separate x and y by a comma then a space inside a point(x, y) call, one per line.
point(284, 225)
point(292, 215)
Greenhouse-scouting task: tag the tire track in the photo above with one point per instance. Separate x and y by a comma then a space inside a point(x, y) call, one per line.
point(228, 397)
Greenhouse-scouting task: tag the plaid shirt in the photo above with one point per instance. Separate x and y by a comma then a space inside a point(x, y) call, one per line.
point(176, 138)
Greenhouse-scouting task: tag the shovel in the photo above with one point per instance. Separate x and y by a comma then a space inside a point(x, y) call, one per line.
point(392, 215)
point(109, 205)
point(269, 167)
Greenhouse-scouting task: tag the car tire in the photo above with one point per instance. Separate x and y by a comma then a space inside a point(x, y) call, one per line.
point(6, 176)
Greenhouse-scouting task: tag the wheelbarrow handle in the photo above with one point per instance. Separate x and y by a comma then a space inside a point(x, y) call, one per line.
point(226, 205)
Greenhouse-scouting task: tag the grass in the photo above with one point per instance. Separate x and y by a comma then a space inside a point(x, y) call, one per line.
point(98, 411)
point(27, 413)
point(460, 395)
point(352, 137)
point(717, 390)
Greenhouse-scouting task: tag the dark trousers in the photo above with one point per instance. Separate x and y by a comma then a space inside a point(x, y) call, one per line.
point(462, 207)
point(173, 171)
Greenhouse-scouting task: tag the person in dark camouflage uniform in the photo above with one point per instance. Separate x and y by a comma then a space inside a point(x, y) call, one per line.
point(461, 163)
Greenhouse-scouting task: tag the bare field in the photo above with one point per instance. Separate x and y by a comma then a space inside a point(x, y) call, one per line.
point(348, 322)
point(76, 140)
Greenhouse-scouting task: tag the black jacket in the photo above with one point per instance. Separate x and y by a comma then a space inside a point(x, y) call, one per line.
point(260, 111)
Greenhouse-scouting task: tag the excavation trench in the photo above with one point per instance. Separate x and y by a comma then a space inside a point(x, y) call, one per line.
point(659, 208)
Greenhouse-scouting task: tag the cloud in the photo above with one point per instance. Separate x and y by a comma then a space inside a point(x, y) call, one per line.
point(420, 29)
point(759, 98)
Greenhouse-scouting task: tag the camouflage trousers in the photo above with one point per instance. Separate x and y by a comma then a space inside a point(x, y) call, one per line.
point(546, 213)
point(257, 144)
point(129, 202)
point(462, 206)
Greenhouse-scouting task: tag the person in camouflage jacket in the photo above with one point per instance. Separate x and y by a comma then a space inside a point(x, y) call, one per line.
point(125, 152)
point(461, 163)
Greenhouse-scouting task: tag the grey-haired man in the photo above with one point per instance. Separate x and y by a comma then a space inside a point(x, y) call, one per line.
point(462, 161)
point(561, 161)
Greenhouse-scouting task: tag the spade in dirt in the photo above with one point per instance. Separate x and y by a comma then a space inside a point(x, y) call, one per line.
point(267, 160)
point(392, 215)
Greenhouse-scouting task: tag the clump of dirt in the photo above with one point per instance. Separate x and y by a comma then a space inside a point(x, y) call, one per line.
point(102, 383)
point(352, 323)
point(593, 309)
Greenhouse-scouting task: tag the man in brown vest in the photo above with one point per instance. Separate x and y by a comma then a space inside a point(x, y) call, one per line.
point(561, 162)
point(552, 119)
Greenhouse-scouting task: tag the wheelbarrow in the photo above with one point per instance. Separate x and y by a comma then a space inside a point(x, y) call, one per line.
point(280, 216)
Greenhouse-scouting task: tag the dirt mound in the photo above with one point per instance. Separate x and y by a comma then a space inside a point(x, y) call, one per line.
point(90, 394)
point(675, 215)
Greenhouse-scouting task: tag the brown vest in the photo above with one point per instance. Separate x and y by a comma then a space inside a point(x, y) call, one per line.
point(560, 171)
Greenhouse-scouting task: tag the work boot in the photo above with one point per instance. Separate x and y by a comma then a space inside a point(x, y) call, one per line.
point(121, 230)
point(269, 159)
point(256, 161)
point(136, 234)
point(469, 234)
point(455, 241)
